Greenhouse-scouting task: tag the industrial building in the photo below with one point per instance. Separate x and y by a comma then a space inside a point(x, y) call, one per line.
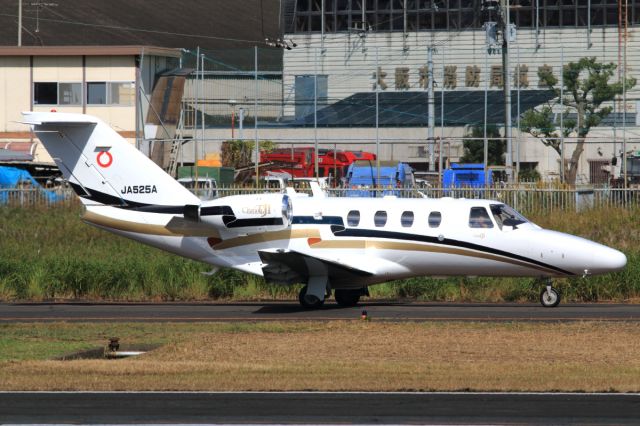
point(113, 83)
point(351, 52)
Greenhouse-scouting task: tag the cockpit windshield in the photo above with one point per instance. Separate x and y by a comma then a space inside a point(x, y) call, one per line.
point(507, 216)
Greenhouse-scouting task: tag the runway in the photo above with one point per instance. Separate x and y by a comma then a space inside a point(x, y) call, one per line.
point(286, 311)
point(318, 408)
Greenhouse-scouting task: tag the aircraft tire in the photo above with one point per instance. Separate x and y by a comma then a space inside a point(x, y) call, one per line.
point(309, 302)
point(347, 298)
point(549, 300)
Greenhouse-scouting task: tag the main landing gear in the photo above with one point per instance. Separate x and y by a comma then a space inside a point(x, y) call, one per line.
point(344, 297)
point(549, 296)
point(309, 301)
point(349, 297)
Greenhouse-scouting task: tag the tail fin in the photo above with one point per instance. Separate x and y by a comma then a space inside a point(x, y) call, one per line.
point(101, 166)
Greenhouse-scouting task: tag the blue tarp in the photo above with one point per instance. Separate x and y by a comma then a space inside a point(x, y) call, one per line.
point(12, 178)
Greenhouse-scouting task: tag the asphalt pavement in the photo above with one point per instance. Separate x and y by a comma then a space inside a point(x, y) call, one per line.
point(284, 311)
point(318, 408)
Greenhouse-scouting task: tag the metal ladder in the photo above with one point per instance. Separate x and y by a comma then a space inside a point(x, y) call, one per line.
point(176, 145)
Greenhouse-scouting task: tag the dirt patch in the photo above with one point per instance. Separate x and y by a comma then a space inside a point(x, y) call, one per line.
point(104, 353)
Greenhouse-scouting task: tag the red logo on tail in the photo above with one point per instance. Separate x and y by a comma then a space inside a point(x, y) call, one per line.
point(102, 161)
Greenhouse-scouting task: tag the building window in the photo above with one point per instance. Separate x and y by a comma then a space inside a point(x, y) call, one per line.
point(111, 93)
point(97, 93)
point(353, 218)
point(425, 15)
point(70, 93)
point(45, 93)
point(380, 218)
point(406, 220)
point(122, 93)
point(51, 93)
point(434, 219)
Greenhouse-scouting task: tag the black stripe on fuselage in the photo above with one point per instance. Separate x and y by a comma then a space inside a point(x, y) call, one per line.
point(339, 231)
point(324, 220)
point(232, 222)
point(121, 203)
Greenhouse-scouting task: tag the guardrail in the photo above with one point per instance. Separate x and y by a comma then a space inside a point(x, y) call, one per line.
point(525, 199)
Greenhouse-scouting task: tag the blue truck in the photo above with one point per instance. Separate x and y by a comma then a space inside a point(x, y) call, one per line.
point(469, 175)
point(362, 176)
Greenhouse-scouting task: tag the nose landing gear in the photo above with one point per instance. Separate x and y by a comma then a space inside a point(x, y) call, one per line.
point(549, 296)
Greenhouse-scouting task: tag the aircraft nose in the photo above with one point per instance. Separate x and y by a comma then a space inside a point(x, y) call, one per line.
point(611, 260)
point(582, 256)
point(604, 259)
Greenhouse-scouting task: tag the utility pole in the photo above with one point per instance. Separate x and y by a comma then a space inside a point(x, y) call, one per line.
point(19, 23)
point(431, 111)
point(506, 35)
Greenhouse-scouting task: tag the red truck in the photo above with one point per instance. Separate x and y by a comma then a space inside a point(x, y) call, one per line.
point(300, 162)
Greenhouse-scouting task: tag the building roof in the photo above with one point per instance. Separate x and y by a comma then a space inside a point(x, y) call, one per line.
point(188, 24)
point(409, 109)
point(89, 51)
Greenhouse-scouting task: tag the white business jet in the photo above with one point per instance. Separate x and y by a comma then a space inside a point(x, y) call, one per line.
point(339, 245)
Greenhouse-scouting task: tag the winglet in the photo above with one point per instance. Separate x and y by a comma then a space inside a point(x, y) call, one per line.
point(316, 190)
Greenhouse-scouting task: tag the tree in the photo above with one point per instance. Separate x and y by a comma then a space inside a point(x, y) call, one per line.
point(474, 147)
point(240, 153)
point(586, 88)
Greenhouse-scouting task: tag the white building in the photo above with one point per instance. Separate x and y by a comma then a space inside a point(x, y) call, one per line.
point(344, 45)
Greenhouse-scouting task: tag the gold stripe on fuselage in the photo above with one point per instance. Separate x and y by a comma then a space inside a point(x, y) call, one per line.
point(397, 245)
point(285, 234)
point(182, 229)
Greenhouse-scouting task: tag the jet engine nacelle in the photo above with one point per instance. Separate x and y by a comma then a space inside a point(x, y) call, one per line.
point(244, 214)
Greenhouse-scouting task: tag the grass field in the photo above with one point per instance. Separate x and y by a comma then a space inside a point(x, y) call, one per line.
point(334, 356)
point(48, 253)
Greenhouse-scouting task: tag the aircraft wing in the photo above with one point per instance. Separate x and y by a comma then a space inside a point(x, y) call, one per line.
point(191, 228)
point(289, 267)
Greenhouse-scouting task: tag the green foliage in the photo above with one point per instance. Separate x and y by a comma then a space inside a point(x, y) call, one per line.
point(585, 88)
point(474, 148)
point(239, 153)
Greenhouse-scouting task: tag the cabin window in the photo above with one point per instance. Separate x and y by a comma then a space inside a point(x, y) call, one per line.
point(380, 218)
point(406, 219)
point(434, 219)
point(506, 216)
point(353, 218)
point(479, 218)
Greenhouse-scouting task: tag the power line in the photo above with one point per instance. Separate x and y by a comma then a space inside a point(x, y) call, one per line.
point(116, 27)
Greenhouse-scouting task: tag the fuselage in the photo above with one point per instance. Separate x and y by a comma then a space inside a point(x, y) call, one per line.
point(393, 238)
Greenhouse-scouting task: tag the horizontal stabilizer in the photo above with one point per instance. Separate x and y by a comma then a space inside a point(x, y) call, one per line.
point(58, 118)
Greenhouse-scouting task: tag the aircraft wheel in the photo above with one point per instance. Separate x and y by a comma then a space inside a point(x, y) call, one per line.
point(549, 297)
point(347, 297)
point(308, 301)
